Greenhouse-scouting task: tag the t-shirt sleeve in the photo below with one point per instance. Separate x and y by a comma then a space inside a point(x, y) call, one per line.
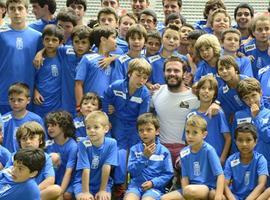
point(215, 165)
point(262, 168)
point(228, 170)
point(112, 154)
point(82, 70)
point(72, 156)
point(83, 160)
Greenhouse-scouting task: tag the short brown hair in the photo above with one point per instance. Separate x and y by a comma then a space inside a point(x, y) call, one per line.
point(230, 30)
point(226, 61)
point(107, 11)
point(82, 32)
point(246, 128)
point(220, 10)
point(19, 88)
point(91, 96)
point(67, 15)
point(148, 118)
point(197, 121)
point(136, 29)
point(247, 85)
point(210, 4)
point(29, 129)
point(213, 83)
point(140, 65)
point(175, 59)
point(130, 15)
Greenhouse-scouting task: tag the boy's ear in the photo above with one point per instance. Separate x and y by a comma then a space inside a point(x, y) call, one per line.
point(102, 39)
point(33, 174)
point(107, 128)
point(157, 131)
point(205, 134)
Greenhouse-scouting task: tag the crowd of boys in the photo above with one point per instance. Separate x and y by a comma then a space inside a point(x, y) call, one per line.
point(129, 107)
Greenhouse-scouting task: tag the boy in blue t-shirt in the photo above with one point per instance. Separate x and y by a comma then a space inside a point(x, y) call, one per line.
point(149, 164)
point(250, 92)
point(19, 183)
point(47, 94)
point(136, 37)
point(19, 44)
point(91, 77)
point(32, 134)
point(202, 174)
point(96, 156)
point(258, 48)
point(19, 98)
point(245, 171)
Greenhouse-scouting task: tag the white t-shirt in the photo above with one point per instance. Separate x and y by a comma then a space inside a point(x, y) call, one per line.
point(172, 109)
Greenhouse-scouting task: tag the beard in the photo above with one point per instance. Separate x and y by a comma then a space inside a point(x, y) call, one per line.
point(174, 85)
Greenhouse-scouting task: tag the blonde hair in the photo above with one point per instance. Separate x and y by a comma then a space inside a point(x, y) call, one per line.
point(217, 11)
point(261, 17)
point(140, 65)
point(99, 116)
point(197, 121)
point(208, 40)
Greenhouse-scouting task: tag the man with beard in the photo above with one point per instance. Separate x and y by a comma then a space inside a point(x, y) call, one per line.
point(172, 102)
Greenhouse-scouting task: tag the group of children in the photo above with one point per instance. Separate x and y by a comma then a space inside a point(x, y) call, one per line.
point(103, 78)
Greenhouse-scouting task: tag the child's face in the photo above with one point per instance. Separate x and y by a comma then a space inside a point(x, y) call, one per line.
point(206, 53)
point(88, 106)
point(176, 22)
point(107, 20)
point(95, 130)
point(67, 26)
point(124, 25)
point(54, 130)
point(152, 46)
point(231, 42)
point(137, 79)
point(148, 22)
point(147, 133)
point(220, 23)
point(110, 3)
point(138, 6)
point(195, 136)
point(18, 102)
point(17, 13)
point(206, 93)
point(38, 11)
point(262, 30)
point(184, 33)
point(50, 44)
point(79, 9)
point(136, 42)
point(171, 40)
point(227, 73)
point(243, 17)
point(21, 173)
point(245, 142)
point(110, 43)
point(170, 6)
point(2, 11)
point(81, 46)
point(252, 98)
point(30, 141)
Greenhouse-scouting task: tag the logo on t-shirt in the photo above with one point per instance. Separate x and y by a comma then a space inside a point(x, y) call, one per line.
point(247, 177)
point(184, 104)
point(5, 188)
point(19, 43)
point(196, 168)
point(95, 162)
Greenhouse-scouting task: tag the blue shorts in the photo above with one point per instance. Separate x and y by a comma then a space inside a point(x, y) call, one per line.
point(154, 193)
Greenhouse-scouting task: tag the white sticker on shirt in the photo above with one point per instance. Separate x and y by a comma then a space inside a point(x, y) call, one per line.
point(184, 153)
point(156, 157)
point(136, 99)
point(244, 120)
point(235, 162)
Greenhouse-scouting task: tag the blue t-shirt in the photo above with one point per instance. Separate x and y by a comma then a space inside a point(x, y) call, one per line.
point(93, 158)
point(10, 126)
point(157, 168)
point(264, 78)
point(94, 78)
point(230, 100)
point(202, 167)
point(244, 65)
point(204, 69)
point(10, 190)
point(261, 58)
point(68, 156)
point(217, 127)
point(40, 24)
point(46, 171)
point(5, 155)
point(80, 128)
point(244, 177)
point(127, 107)
point(18, 49)
point(69, 63)
point(122, 44)
point(48, 83)
point(262, 123)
